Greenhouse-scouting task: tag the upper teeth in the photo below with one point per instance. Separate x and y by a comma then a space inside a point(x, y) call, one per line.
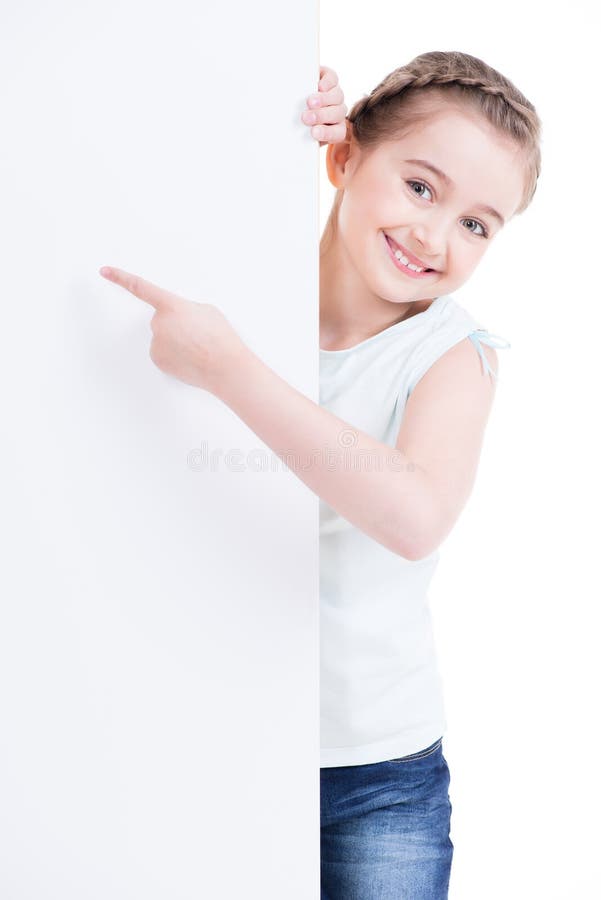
point(406, 262)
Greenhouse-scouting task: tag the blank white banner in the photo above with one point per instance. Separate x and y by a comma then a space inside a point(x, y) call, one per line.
point(159, 697)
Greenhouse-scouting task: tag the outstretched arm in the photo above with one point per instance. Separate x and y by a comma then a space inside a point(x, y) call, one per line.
point(405, 498)
point(386, 497)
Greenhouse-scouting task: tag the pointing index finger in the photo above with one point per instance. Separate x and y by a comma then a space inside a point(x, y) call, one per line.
point(145, 290)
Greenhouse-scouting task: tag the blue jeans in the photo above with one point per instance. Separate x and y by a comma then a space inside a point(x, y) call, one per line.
point(385, 829)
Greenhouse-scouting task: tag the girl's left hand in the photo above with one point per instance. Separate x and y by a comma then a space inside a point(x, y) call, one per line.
point(191, 341)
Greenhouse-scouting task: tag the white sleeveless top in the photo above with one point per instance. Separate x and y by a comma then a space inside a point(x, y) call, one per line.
point(381, 695)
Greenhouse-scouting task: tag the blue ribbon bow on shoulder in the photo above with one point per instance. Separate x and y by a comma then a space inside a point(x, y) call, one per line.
point(482, 335)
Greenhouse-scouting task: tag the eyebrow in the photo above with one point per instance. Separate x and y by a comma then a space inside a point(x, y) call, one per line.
point(447, 180)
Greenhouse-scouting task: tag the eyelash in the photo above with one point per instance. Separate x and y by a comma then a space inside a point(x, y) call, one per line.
point(470, 219)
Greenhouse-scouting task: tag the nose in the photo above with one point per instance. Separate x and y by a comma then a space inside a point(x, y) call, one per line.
point(430, 242)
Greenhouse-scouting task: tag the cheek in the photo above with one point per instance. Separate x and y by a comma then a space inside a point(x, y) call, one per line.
point(481, 249)
point(382, 198)
point(469, 256)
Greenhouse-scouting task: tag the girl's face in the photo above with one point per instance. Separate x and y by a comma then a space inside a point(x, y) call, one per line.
point(443, 223)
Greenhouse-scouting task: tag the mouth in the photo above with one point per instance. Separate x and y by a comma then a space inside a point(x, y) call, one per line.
point(394, 248)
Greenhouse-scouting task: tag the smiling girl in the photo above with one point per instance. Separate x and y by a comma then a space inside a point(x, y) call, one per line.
point(429, 167)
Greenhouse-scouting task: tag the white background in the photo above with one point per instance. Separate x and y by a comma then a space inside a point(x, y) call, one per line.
point(159, 708)
point(516, 595)
point(155, 621)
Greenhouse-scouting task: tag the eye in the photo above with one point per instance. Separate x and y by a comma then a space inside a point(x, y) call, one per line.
point(483, 233)
point(422, 184)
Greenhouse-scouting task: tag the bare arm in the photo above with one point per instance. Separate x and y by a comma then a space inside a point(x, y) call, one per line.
point(407, 499)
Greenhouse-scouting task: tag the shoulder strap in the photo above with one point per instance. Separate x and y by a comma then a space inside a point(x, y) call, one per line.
point(482, 335)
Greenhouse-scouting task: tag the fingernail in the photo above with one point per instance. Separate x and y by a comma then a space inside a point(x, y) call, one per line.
point(314, 100)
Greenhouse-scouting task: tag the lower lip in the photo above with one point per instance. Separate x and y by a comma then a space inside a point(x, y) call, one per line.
point(403, 268)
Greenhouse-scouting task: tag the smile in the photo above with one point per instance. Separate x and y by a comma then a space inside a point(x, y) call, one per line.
point(397, 257)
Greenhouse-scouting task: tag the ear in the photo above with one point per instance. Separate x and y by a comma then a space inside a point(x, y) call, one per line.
point(337, 156)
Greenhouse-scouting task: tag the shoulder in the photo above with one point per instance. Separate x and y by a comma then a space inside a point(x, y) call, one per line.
point(477, 341)
point(460, 368)
point(464, 356)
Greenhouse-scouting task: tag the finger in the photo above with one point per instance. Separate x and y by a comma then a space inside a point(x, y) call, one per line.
point(331, 115)
point(327, 78)
point(334, 97)
point(329, 134)
point(145, 290)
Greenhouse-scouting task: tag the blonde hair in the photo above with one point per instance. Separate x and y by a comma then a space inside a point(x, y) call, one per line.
point(414, 92)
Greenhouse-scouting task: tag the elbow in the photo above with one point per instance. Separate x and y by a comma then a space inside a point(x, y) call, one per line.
point(425, 542)
point(424, 537)
point(419, 544)
point(414, 552)
point(430, 521)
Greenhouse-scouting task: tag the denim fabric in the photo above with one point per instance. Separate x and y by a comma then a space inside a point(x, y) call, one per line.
point(385, 829)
